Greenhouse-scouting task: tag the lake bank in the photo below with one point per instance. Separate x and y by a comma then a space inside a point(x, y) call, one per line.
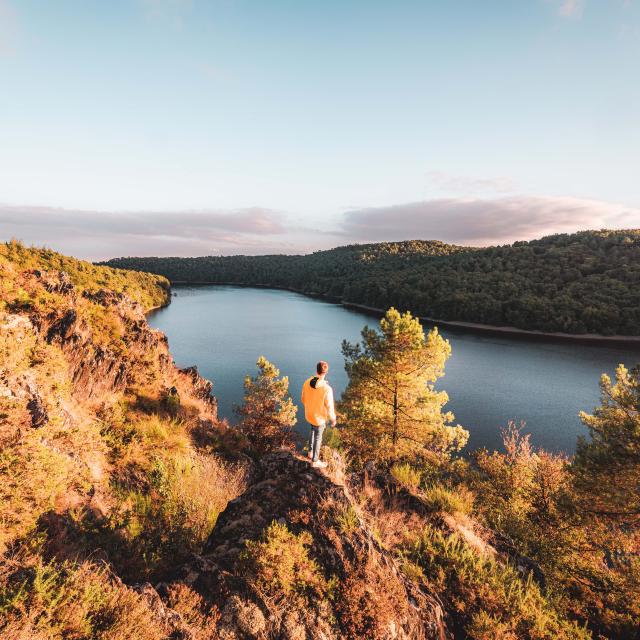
point(456, 325)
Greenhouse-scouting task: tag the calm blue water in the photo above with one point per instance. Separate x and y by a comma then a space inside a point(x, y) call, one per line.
point(489, 380)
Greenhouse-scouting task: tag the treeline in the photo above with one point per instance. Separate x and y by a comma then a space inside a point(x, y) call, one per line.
point(586, 282)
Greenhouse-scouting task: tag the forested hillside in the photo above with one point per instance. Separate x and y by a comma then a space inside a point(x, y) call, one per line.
point(587, 282)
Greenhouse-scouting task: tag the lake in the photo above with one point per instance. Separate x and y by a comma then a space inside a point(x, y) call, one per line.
point(490, 380)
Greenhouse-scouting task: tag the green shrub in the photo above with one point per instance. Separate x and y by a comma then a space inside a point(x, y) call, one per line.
point(490, 599)
point(279, 564)
point(331, 438)
point(56, 601)
point(348, 520)
point(439, 498)
point(148, 289)
point(406, 475)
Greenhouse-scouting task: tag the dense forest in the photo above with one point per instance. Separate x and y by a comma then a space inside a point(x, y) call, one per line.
point(586, 282)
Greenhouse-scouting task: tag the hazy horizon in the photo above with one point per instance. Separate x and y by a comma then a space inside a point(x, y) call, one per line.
point(186, 128)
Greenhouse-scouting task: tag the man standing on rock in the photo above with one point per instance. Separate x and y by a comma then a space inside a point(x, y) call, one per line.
point(317, 398)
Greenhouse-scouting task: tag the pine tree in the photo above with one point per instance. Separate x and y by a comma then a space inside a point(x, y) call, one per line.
point(606, 505)
point(607, 467)
point(268, 413)
point(390, 408)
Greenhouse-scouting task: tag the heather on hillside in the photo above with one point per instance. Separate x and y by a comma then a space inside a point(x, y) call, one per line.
point(145, 288)
point(109, 467)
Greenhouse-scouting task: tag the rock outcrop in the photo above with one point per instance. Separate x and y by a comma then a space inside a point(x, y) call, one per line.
point(96, 365)
point(371, 598)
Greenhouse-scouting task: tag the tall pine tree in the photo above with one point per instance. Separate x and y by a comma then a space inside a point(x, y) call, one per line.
point(390, 408)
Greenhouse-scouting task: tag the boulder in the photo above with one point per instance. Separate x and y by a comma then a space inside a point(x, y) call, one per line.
point(371, 597)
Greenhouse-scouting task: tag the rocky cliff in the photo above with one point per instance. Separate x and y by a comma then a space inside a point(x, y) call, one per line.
point(370, 596)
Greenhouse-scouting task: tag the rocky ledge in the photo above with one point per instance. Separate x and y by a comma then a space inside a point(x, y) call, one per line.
point(372, 598)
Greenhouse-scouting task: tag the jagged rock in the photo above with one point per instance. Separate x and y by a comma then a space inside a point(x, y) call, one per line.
point(63, 326)
point(202, 386)
point(24, 387)
point(285, 488)
point(54, 281)
point(38, 411)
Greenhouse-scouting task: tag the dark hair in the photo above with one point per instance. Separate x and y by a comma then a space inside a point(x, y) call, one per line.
point(322, 367)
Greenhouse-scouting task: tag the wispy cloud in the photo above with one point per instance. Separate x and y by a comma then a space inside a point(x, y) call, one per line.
point(485, 221)
point(95, 234)
point(253, 231)
point(463, 185)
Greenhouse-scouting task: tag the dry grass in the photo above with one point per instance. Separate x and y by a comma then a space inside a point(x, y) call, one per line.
point(406, 475)
point(370, 601)
point(200, 618)
point(51, 601)
point(490, 599)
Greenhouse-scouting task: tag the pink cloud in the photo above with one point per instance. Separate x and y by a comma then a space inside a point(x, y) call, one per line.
point(484, 221)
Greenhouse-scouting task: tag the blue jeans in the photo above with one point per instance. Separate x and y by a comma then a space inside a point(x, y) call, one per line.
point(316, 441)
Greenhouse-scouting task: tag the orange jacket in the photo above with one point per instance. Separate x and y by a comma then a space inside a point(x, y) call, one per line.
point(317, 399)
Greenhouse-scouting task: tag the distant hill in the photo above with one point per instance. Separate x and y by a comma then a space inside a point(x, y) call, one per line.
point(586, 282)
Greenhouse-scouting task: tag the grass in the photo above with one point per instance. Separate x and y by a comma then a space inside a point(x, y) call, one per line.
point(54, 601)
point(406, 475)
point(348, 520)
point(147, 289)
point(449, 500)
point(49, 600)
point(491, 599)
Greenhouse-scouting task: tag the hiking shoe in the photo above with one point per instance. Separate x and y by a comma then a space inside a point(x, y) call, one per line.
point(318, 464)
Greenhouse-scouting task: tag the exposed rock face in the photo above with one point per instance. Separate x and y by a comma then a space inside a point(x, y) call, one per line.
point(97, 367)
point(373, 599)
point(201, 386)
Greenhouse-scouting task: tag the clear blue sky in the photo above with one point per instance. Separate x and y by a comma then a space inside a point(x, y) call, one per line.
point(290, 125)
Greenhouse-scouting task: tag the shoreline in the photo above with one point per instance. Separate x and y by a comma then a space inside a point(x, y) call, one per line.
point(454, 325)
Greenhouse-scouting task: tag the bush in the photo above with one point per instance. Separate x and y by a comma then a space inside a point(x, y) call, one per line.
point(268, 413)
point(201, 617)
point(369, 602)
point(348, 520)
point(439, 498)
point(278, 565)
point(406, 475)
point(174, 515)
point(490, 598)
point(56, 601)
point(331, 438)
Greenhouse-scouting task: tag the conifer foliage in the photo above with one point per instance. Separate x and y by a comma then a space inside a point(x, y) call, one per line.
point(268, 413)
point(607, 466)
point(390, 407)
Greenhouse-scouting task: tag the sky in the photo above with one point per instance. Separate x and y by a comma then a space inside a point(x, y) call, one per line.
point(203, 127)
